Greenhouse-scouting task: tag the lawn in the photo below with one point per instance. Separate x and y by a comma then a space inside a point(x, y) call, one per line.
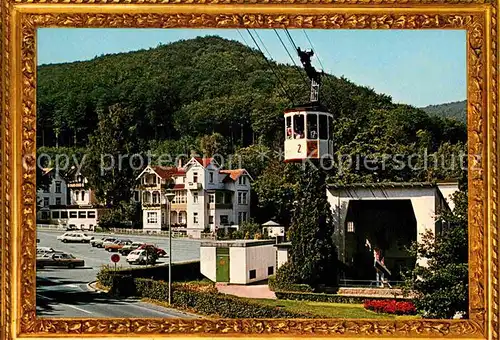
point(331, 310)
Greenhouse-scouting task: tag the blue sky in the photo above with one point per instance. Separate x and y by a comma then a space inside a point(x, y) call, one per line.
point(417, 67)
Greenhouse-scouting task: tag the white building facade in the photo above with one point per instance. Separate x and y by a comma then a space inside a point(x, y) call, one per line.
point(238, 261)
point(388, 216)
point(215, 197)
point(71, 203)
point(54, 196)
point(206, 197)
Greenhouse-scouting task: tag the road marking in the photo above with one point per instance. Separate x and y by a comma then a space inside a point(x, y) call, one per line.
point(63, 304)
point(82, 310)
point(44, 297)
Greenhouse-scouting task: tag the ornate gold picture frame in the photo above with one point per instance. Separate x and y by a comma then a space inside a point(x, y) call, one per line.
point(21, 18)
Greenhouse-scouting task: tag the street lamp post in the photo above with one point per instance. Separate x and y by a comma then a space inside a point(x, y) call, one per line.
point(170, 197)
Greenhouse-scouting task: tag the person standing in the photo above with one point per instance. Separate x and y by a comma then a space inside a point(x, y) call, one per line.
point(377, 256)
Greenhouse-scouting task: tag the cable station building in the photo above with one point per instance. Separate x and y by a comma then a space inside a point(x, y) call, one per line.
point(388, 215)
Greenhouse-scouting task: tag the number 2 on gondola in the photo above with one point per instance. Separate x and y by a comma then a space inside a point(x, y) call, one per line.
point(298, 151)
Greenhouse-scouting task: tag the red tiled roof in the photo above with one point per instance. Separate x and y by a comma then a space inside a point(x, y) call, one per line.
point(181, 172)
point(204, 161)
point(178, 186)
point(164, 172)
point(233, 174)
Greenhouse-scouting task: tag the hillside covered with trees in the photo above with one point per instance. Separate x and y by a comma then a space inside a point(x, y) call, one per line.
point(454, 110)
point(210, 95)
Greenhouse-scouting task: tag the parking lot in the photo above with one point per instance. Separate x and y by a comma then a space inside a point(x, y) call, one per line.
point(58, 288)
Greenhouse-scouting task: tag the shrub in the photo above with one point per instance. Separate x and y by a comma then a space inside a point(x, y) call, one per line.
point(203, 298)
point(152, 289)
point(278, 285)
point(227, 306)
point(321, 297)
point(442, 286)
point(185, 271)
point(391, 307)
point(122, 285)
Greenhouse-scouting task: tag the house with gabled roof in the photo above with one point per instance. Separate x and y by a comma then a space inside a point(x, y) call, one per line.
point(153, 183)
point(69, 201)
point(206, 196)
point(216, 197)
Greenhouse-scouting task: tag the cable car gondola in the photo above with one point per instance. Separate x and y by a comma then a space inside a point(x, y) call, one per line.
point(308, 133)
point(308, 127)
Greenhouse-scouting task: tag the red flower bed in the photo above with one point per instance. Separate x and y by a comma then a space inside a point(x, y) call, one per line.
point(391, 307)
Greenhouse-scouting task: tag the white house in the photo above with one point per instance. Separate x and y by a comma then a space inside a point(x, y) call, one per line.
point(205, 196)
point(71, 202)
point(238, 261)
point(215, 197)
point(54, 196)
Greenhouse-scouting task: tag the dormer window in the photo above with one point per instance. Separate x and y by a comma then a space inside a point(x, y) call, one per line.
point(195, 177)
point(211, 174)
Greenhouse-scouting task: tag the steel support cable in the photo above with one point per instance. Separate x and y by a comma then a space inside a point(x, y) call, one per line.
point(293, 60)
point(271, 68)
point(268, 53)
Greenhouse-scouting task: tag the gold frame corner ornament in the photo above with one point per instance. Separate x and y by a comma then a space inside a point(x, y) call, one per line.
point(21, 18)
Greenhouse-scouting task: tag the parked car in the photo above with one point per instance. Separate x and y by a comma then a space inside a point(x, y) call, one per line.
point(160, 252)
point(125, 250)
point(117, 245)
point(107, 243)
point(99, 243)
point(141, 257)
point(75, 237)
point(59, 260)
point(44, 250)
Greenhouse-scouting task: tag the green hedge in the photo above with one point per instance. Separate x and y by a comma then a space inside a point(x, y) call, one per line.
point(184, 271)
point(204, 299)
point(275, 285)
point(228, 306)
point(333, 298)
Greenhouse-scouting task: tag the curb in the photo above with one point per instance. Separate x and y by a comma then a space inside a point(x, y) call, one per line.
point(91, 286)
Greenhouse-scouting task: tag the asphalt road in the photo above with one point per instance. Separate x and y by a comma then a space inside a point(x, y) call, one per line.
point(63, 292)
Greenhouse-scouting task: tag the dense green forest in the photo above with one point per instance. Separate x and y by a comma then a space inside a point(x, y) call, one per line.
point(210, 95)
point(454, 110)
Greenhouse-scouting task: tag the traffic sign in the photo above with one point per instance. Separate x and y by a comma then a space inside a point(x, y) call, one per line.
point(115, 258)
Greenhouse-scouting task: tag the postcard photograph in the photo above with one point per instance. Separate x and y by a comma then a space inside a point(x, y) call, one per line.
point(252, 173)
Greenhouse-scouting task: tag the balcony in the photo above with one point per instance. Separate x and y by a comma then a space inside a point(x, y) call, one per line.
point(228, 206)
point(179, 206)
point(146, 186)
point(75, 185)
point(151, 205)
point(193, 186)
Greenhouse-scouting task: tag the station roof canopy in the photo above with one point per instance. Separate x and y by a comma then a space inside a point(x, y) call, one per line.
point(236, 243)
point(386, 185)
